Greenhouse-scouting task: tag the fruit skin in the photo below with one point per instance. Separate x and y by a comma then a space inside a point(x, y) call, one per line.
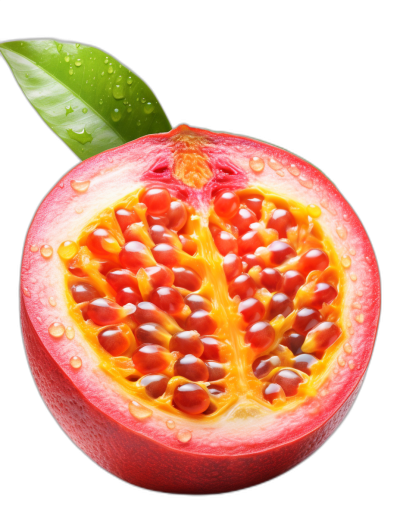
point(140, 452)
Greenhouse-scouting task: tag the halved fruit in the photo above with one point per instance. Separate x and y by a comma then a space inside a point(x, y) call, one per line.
point(208, 313)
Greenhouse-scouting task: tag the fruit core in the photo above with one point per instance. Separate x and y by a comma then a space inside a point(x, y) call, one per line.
point(191, 310)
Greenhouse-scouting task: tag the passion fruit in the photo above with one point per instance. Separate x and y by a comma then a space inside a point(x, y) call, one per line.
point(208, 314)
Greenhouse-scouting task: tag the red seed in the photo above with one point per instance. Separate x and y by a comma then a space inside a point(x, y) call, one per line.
point(212, 348)
point(157, 220)
point(168, 299)
point(272, 392)
point(186, 278)
point(160, 276)
point(165, 254)
point(150, 358)
point(292, 282)
point(191, 398)
point(279, 252)
point(160, 234)
point(264, 365)
point(254, 203)
point(251, 310)
point(152, 333)
point(94, 241)
point(84, 292)
point(271, 279)
point(226, 204)
point(191, 368)
point(232, 266)
point(305, 320)
point(157, 200)
point(288, 380)
point(281, 220)
point(293, 342)
point(216, 390)
point(225, 242)
point(215, 371)
point(249, 242)
point(177, 215)
point(146, 312)
point(197, 302)
point(243, 286)
point(202, 322)
point(121, 278)
point(260, 335)
point(126, 218)
point(323, 293)
point(104, 266)
point(252, 261)
point(304, 363)
point(324, 335)
point(243, 219)
point(313, 260)
point(188, 245)
point(114, 341)
point(135, 255)
point(128, 295)
point(155, 384)
point(280, 304)
point(187, 342)
point(105, 312)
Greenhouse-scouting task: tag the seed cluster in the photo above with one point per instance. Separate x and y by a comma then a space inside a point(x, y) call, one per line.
point(190, 316)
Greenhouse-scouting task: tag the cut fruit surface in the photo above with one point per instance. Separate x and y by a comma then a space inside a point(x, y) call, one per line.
point(221, 319)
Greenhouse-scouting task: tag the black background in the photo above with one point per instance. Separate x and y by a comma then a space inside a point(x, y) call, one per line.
point(317, 99)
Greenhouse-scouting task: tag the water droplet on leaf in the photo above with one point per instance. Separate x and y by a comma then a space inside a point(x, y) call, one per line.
point(78, 62)
point(116, 115)
point(84, 110)
point(148, 108)
point(81, 136)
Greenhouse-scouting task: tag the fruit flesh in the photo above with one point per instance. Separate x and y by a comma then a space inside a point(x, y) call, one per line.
point(250, 314)
point(247, 443)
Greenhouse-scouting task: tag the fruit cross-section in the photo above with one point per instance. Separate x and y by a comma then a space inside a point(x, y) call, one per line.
point(192, 310)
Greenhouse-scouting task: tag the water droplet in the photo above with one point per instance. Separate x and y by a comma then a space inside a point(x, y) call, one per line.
point(307, 183)
point(68, 110)
point(68, 250)
point(56, 329)
point(46, 251)
point(26, 75)
point(102, 73)
point(129, 109)
point(351, 364)
point(256, 164)
point(80, 186)
point(346, 261)
point(78, 62)
point(294, 170)
point(184, 436)
point(116, 115)
point(78, 210)
point(125, 102)
point(346, 217)
point(84, 110)
point(66, 58)
point(106, 61)
point(148, 108)
point(274, 164)
point(119, 91)
point(281, 173)
point(347, 348)
point(326, 205)
point(139, 411)
point(70, 71)
point(143, 100)
point(101, 102)
point(357, 305)
point(341, 361)
point(75, 362)
point(70, 332)
point(314, 211)
point(341, 231)
point(359, 318)
point(59, 47)
point(34, 248)
point(110, 69)
point(52, 301)
point(61, 185)
point(353, 277)
point(359, 293)
point(81, 136)
point(138, 122)
point(170, 424)
point(26, 291)
point(129, 80)
point(352, 252)
point(77, 45)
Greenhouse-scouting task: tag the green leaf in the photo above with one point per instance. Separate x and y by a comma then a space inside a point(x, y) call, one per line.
point(87, 97)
